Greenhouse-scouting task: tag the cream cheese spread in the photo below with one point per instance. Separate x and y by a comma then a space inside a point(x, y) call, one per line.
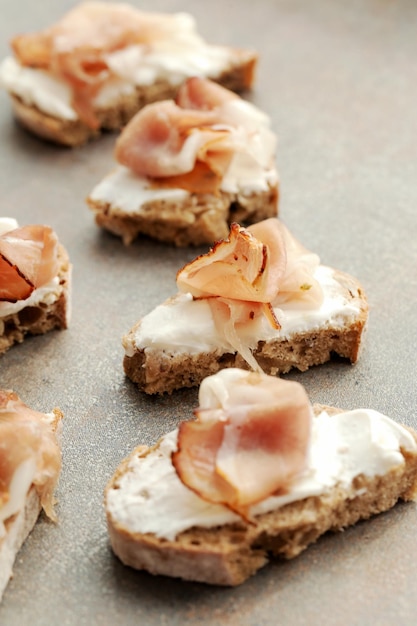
point(184, 325)
point(48, 294)
point(150, 498)
point(125, 191)
point(182, 54)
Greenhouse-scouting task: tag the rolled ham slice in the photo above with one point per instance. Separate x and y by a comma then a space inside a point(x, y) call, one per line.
point(249, 444)
point(28, 260)
point(27, 441)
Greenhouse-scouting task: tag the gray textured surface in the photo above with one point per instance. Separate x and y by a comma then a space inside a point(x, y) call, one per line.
point(339, 82)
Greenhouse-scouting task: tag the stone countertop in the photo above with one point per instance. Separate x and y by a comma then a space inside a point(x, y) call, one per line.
point(339, 83)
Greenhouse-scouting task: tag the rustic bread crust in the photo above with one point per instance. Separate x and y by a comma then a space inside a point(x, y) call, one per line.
point(198, 219)
point(229, 554)
point(71, 133)
point(37, 320)
point(157, 371)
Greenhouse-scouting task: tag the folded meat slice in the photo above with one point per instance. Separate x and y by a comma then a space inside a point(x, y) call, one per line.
point(248, 444)
point(165, 140)
point(29, 454)
point(296, 283)
point(247, 274)
point(241, 267)
point(75, 48)
point(191, 143)
point(28, 259)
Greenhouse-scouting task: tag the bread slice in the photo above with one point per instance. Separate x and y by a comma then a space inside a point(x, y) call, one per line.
point(172, 185)
point(18, 526)
point(74, 132)
point(61, 124)
point(162, 350)
point(228, 553)
point(176, 216)
point(40, 314)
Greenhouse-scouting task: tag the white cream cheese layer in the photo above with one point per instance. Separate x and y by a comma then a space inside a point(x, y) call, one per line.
point(181, 55)
point(150, 498)
point(37, 88)
point(47, 294)
point(124, 191)
point(184, 325)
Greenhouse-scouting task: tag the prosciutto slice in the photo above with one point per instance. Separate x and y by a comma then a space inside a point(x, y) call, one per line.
point(26, 436)
point(28, 260)
point(165, 140)
point(203, 95)
point(245, 275)
point(241, 267)
point(249, 443)
point(185, 144)
point(296, 283)
point(75, 48)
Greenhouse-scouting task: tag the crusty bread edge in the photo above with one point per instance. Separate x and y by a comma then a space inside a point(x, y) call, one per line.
point(72, 133)
point(16, 326)
point(195, 220)
point(156, 371)
point(228, 555)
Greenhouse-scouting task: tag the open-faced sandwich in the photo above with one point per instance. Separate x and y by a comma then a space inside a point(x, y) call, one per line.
point(187, 169)
point(98, 65)
point(35, 282)
point(258, 474)
point(30, 463)
point(258, 300)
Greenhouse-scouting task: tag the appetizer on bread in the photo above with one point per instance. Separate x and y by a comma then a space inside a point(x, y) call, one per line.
point(257, 299)
point(260, 473)
point(30, 463)
point(35, 280)
point(187, 169)
point(101, 62)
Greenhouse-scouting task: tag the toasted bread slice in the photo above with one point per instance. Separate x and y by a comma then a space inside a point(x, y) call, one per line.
point(227, 553)
point(139, 66)
point(180, 218)
point(176, 345)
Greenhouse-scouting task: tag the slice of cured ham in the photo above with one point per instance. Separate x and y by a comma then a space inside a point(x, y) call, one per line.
point(166, 140)
point(29, 454)
point(296, 283)
point(191, 143)
point(28, 259)
point(261, 263)
point(75, 48)
point(247, 274)
point(250, 442)
point(203, 95)
point(241, 267)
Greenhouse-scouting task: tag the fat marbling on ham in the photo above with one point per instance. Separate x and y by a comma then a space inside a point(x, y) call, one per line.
point(251, 442)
